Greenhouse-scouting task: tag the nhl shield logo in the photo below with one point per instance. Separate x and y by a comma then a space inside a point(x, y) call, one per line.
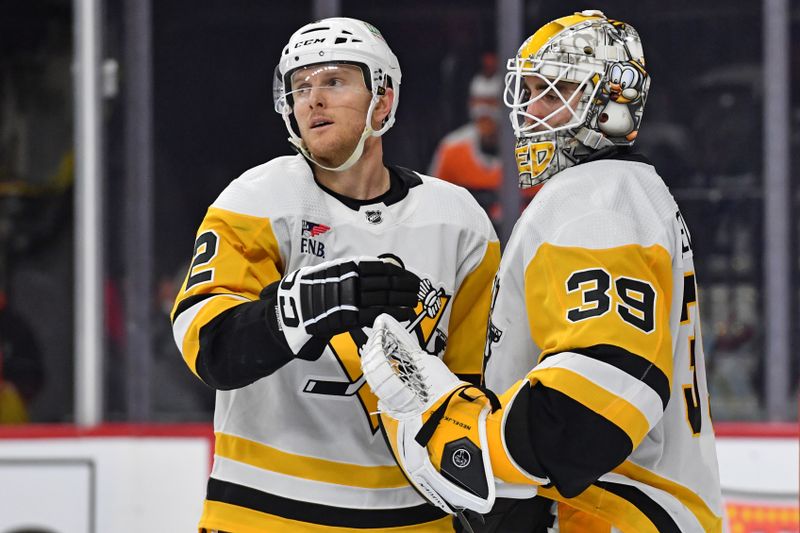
point(374, 216)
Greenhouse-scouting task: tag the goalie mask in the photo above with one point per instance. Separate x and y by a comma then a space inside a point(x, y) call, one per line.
point(330, 43)
point(577, 85)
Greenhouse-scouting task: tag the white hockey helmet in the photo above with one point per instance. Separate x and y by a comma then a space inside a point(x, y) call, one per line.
point(339, 40)
point(592, 69)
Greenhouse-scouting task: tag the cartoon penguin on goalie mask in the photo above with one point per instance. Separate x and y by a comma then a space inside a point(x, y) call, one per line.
point(602, 60)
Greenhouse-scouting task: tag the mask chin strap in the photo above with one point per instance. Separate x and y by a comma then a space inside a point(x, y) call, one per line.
point(592, 139)
point(298, 143)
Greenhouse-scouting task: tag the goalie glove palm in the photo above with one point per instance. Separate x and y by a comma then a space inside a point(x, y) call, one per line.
point(314, 303)
point(445, 434)
point(414, 389)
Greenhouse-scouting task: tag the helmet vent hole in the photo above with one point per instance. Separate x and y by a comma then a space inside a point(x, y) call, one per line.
point(340, 40)
point(347, 32)
point(357, 40)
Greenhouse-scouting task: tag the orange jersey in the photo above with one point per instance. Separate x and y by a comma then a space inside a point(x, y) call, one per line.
point(459, 160)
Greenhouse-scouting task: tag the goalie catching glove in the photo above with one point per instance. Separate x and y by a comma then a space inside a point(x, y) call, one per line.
point(446, 434)
point(314, 303)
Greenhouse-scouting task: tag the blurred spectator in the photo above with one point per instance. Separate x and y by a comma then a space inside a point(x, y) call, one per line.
point(178, 396)
point(21, 373)
point(21, 367)
point(468, 156)
point(36, 205)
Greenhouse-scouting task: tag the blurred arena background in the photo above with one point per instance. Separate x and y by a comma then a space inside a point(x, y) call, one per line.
point(121, 120)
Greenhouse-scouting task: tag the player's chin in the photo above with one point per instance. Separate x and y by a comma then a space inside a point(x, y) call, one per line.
point(329, 157)
point(331, 152)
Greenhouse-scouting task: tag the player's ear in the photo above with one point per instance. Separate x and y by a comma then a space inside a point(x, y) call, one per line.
point(382, 108)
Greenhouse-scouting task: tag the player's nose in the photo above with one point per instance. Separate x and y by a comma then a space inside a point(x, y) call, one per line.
point(316, 97)
point(536, 108)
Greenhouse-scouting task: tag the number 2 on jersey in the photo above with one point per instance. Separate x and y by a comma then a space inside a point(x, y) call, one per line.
point(205, 249)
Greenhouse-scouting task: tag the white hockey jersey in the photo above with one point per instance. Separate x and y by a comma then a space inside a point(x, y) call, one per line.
point(596, 303)
point(300, 450)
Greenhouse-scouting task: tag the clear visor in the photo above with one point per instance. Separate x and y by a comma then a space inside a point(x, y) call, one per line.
point(321, 79)
point(547, 96)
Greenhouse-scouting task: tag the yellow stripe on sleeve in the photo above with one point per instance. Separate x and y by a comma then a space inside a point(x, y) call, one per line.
point(611, 407)
point(469, 318)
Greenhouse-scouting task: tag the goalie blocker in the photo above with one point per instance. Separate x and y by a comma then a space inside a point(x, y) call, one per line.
point(446, 434)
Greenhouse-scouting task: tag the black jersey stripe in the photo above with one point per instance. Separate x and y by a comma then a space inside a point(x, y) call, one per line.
point(656, 514)
point(632, 364)
point(474, 379)
point(186, 303)
point(250, 498)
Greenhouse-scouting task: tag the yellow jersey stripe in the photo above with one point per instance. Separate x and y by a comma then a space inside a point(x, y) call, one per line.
point(469, 318)
point(613, 380)
point(689, 498)
point(608, 506)
point(311, 468)
point(573, 520)
point(611, 407)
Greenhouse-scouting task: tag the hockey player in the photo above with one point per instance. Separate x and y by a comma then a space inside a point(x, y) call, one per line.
point(595, 348)
point(286, 280)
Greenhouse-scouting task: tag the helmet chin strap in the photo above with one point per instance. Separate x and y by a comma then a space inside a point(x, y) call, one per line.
point(593, 139)
point(298, 143)
point(354, 157)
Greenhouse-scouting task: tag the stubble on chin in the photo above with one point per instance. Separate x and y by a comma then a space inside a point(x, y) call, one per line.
point(335, 151)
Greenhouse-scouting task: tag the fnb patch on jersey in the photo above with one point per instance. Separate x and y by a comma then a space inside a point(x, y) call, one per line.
point(309, 245)
point(312, 229)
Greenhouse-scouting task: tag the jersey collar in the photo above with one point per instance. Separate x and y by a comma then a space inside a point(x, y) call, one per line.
point(621, 153)
point(401, 180)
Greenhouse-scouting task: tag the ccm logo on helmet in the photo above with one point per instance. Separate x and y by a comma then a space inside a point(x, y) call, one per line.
point(310, 41)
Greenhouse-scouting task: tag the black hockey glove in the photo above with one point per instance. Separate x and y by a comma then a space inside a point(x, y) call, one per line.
point(315, 303)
